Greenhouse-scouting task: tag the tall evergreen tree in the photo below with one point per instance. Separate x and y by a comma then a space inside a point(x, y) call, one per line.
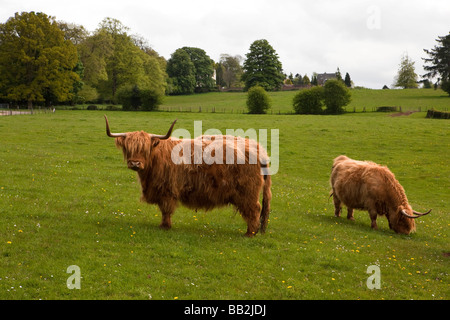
point(438, 63)
point(348, 81)
point(262, 67)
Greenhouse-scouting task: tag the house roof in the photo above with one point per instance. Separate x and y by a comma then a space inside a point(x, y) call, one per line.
point(322, 77)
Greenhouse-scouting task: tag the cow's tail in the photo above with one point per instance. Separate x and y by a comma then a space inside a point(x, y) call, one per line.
point(267, 196)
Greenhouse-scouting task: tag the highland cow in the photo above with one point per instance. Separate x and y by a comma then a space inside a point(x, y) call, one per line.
point(169, 174)
point(365, 185)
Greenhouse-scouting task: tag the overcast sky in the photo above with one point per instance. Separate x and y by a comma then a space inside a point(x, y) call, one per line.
point(364, 38)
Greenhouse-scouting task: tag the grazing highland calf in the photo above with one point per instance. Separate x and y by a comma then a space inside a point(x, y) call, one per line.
point(368, 186)
point(176, 170)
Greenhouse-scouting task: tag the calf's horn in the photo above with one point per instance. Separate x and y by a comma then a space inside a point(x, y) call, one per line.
point(113, 135)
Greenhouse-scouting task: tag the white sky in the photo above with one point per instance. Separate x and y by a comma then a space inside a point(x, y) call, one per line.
point(362, 37)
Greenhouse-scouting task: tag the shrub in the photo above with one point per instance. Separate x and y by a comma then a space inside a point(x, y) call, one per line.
point(309, 101)
point(386, 109)
point(133, 98)
point(129, 97)
point(258, 101)
point(336, 96)
point(150, 100)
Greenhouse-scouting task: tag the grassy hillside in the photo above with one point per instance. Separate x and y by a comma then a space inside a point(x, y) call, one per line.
point(67, 198)
point(408, 99)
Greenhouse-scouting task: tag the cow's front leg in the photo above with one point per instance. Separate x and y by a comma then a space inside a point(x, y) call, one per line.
point(350, 214)
point(167, 208)
point(373, 217)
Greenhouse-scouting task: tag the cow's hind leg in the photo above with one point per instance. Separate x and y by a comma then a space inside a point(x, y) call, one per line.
point(373, 217)
point(167, 208)
point(337, 206)
point(251, 215)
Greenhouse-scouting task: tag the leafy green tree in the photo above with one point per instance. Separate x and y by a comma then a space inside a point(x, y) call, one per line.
point(232, 69)
point(262, 67)
point(309, 101)
point(438, 63)
point(306, 80)
point(298, 80)
point(204, 68)
point(35, 60)
point(93, 51)
point(336, 96)
point(127, 64)
point(338, 75)
point(181, 72)
point(406, 76)
point(258, 100)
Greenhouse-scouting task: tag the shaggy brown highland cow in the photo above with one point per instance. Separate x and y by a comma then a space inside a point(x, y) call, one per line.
point(176, 170)
point(368, 186)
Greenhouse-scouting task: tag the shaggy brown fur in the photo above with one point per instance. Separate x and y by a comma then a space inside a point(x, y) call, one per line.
point(199, 186)
point(368, 186)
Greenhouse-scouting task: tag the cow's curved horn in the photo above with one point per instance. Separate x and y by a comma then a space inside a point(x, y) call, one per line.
point(113, 135)
point(417, 214)
point(167, 136)
point(422, 214)
point(407, 215)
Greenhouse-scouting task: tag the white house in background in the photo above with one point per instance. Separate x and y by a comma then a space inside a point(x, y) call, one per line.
point(323, 77)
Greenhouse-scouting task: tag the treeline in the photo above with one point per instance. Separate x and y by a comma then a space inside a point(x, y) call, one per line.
point(47, 62)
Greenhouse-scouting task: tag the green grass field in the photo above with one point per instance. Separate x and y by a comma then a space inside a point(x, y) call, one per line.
point(234, 102)
point(67, 198)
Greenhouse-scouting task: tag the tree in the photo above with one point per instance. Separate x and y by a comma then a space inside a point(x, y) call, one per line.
point(348, 81)
point(338, 74)
point(129, 63)
point(438, 63)
point(406, 76)
point(35, 60)
point(203, 68)
point(181, 72)
point(262, 67)
point(306, 80)
point(309, 101)
point(232, 69)
point(258, 101)
point(336, 96)
point(298, 80)
point(94, 51)
point(314, 81)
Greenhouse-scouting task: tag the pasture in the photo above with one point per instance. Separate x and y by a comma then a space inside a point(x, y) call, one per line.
point(67, 198)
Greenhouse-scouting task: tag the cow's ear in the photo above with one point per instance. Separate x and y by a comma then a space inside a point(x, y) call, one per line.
point(155, 142)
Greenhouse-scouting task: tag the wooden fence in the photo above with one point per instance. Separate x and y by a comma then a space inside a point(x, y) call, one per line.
point(15, 112)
